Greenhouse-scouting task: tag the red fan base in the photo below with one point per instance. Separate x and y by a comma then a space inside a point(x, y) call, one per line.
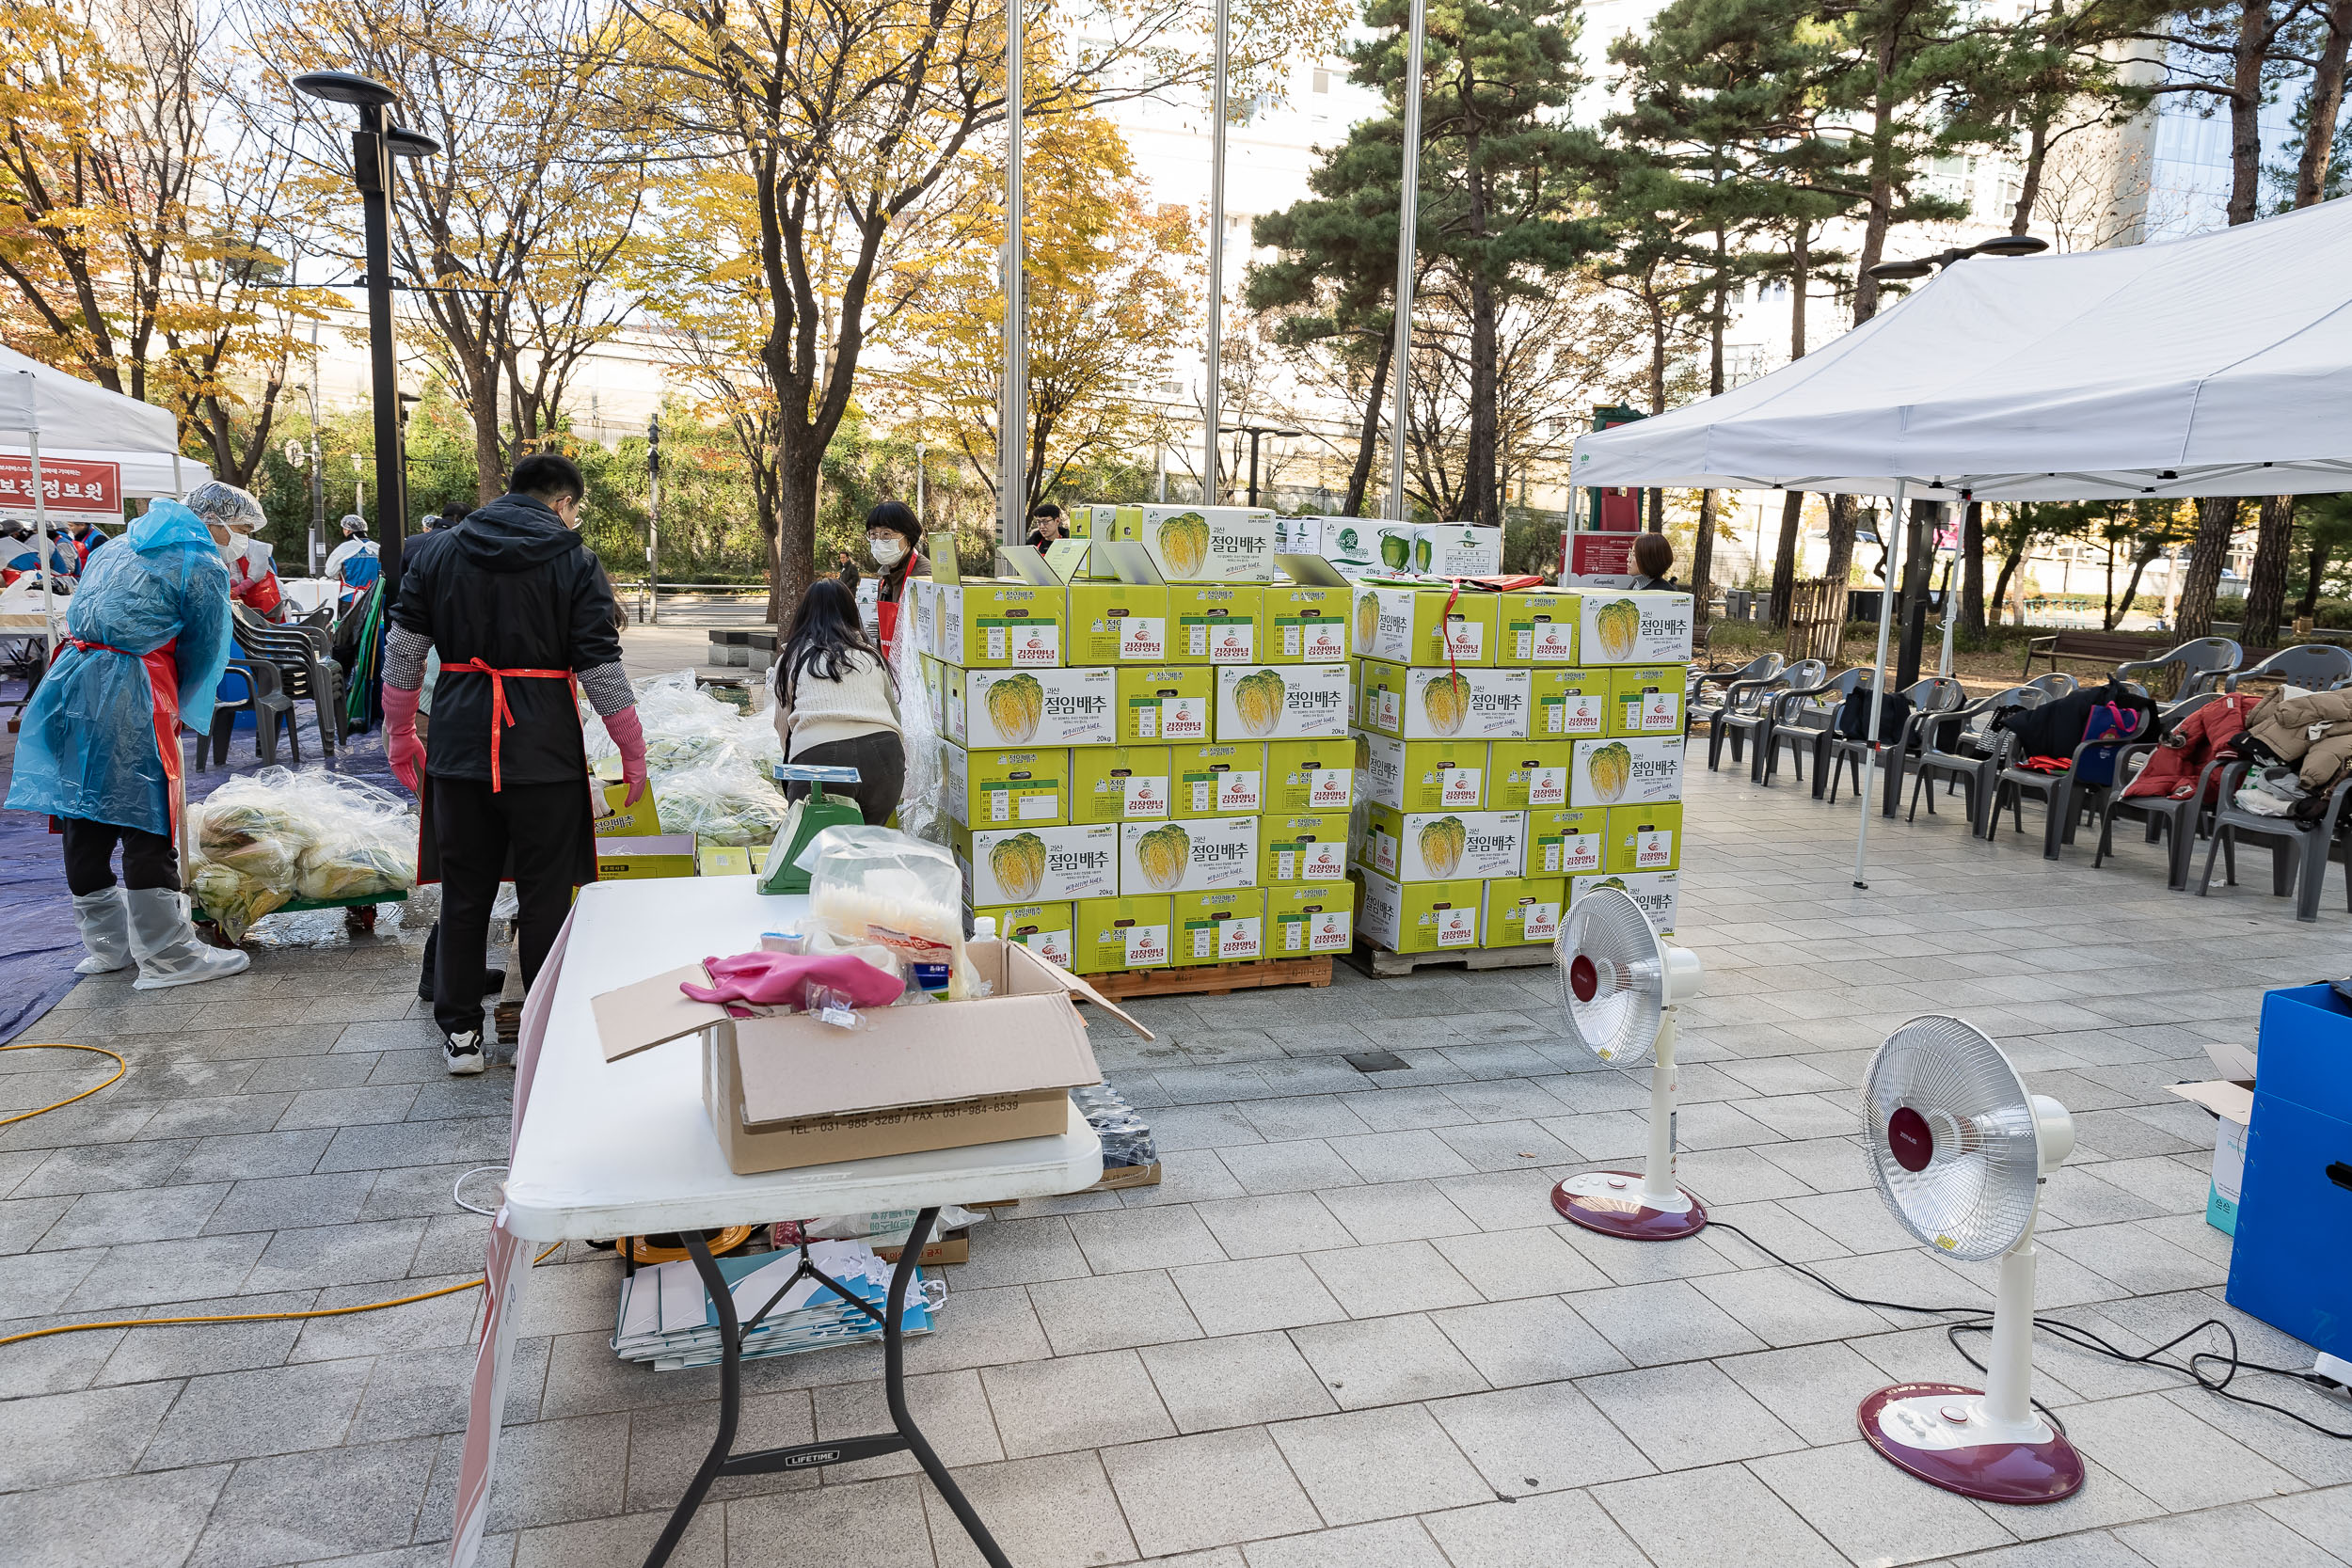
point(1610, 1202)
point(1933, 1419)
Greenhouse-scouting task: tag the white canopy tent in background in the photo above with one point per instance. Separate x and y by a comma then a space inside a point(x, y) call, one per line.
point(2219, 365)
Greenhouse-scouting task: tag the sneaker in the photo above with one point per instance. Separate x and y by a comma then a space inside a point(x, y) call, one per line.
point(462, 1054)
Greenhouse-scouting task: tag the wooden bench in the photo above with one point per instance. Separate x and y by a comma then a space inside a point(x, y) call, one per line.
point(2109, 648)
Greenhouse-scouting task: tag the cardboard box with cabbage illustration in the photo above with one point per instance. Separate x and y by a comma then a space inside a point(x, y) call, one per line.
point(1167, 702)
point(1521, 910)
point(1121, 784)
point(1632, 771)
point(1444, 845)
point(1226, 928)
point(1099, 520)
point(1300, 535)
point(1390, 545)
point(1311, 847)
point(1311, 775)
point(1643, 838)
point(1306, 918)
point(1424, 775)
point(1042, 929)
point(1633, 627)
point(1567, 704)
point(1019, 709)
point(1458, 550)
point(1028, 866)
point(1282, 701)
point(1528, 775)
point(995, 789)
point(1424, 626)
point(1203, 544)
point(1218, 781)
point(1657, 891)
point(1536, 627)
point(1304, 624)
point(1565, 841)
point(1118, 623)
point(1349, 544)
point(1469, 704)
point(935, 677)
point(1214, 623)
point(1077, 560)
point(998, 625)
point(1647, 699)
point(1112, 934)
point(1206, 855)
point(1418, 917)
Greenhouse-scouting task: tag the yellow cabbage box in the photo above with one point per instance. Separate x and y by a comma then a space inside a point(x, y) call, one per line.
point(1645, 838)
point(1424, 626)
point(1018, 709)
point(1565, 841)
point(998, 625)
point(1310, 847)
point(1424, 917)
point(1203, 544)
point(1121, 784)
point(1214, 623)
point(1530, 775)
point(1426, 775)
point(1522, 910)
point(1042, 929)
point(1113, 934)
point(1166, 702)
point(1118, 623)
point(1537, 628)
point(1567, 705)
point(1306, 918)
point(1023, 865)
point(991, 789)
point(1304, 624)
point(1200, 856)
point(1635, 770)
point(1633, 627)
point(1282, 701)
point(1218, 927)
point(1311, 775)
point(1647, 699)
point(1444, 845)
point(1467, 704)
point(1220, 780)
point(1657, 891)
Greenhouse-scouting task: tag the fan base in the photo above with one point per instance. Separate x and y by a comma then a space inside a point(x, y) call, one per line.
point(1610, 1202)
point(1937, 1449)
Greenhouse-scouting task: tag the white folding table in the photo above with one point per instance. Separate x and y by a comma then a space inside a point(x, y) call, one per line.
point(626, 1148)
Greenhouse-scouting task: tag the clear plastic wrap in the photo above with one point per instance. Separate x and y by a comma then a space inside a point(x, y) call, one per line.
point(919, 798)
point(1126, 1137)
point(685, 729)
point(275, 835)
point(233, 899)
point(879, 885)
point(729, 801)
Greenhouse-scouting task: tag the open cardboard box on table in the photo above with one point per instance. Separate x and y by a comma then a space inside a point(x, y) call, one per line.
point(786, 1091)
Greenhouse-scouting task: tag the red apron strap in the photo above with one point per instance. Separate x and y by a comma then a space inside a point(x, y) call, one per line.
point(163, 702)
point(500, 716)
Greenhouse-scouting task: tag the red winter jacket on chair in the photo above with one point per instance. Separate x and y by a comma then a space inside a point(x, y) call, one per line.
point(2196, 740)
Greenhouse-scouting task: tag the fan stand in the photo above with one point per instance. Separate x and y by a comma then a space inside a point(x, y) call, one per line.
point(1991, 1445)
point(1643, 1205)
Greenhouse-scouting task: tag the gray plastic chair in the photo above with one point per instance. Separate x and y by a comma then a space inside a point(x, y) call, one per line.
point(1934, 701)
point(1967, 756)
point(2202, 663)
point(2057, 684)
point(1737, 695)
point(2314, 666)
point(2161, 814)
point(2064, 797)
point(1754, 722)
point(2298, 851)
point(1804, 722)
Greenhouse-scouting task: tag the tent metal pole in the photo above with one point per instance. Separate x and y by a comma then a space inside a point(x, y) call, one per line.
point(1408, 219)
point(1013, 417)
point(1956, 518)
point(41, 523)
point(1867, 795)
point(1213, 398)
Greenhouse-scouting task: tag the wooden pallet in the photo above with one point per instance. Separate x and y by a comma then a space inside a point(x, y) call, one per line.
point(1383, 964)
point(1214, 979)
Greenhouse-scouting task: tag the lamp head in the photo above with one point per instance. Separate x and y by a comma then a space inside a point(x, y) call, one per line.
point(2012, 245)
point(402, 142)
point(1896, 272)
point(342, 87)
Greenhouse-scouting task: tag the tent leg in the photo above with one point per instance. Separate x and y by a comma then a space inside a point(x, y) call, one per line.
point(1878, 691)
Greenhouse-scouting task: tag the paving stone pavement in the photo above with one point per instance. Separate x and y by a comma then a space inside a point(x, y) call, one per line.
point(1346, 1330)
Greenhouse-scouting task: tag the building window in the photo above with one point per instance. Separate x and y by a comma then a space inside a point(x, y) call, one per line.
point(1323, 81)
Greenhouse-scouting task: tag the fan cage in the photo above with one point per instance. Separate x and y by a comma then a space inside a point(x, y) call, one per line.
point(1619, 1025)
point(1975, 1197)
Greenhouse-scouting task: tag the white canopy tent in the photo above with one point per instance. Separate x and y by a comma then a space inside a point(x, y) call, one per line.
point(2219, 365)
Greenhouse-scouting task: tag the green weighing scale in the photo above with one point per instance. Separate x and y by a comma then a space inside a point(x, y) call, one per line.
point(789, 862)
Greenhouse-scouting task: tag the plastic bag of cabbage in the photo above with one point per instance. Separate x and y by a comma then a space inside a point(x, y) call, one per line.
point(276, 835)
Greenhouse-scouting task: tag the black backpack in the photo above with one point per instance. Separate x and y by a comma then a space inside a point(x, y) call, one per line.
point(1853, 715)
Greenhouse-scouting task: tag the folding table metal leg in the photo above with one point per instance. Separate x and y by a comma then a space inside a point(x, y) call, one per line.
point(722, 1460)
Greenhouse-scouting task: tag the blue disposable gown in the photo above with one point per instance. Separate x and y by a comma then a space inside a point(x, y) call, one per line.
point(89, 746)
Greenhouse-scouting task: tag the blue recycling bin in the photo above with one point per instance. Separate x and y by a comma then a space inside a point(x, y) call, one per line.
point(2292, 1263)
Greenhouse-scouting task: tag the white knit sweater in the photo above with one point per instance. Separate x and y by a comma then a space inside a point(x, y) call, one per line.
point(815, 711)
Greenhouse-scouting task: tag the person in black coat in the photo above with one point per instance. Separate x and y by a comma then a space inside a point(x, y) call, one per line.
point(519, 610)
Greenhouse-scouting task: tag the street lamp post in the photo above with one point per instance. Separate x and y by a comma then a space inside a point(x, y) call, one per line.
point(651, 615)
point(373, 146)
point(1919, 560)
point(1254, 431)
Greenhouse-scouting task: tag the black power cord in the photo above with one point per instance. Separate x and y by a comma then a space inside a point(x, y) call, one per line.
point(2192, 1367)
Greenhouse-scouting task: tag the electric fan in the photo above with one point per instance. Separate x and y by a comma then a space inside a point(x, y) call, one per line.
point(1960, 1150)
point(1619, 985)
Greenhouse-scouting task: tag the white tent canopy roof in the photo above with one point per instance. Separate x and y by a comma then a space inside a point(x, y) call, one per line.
point(77, 419)
point(2216, 365)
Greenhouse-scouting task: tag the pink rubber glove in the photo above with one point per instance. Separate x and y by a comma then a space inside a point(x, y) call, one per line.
point(778, 977)
point(402, 748)
point(629, 736)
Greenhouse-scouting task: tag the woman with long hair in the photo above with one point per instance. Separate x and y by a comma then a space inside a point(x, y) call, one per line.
point(836, 701)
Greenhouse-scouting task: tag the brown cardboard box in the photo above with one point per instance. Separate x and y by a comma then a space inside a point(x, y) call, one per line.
point(784, 1091)
point(953, 1247)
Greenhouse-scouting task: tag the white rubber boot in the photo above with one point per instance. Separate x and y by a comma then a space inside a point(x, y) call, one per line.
point(170, 950)
point(105, 923)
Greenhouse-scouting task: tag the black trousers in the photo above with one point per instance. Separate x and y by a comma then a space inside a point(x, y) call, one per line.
point(880, 761)
point(474, 834)
point(149, 859)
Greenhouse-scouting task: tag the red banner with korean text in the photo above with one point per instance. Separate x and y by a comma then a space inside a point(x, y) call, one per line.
point(68, 484)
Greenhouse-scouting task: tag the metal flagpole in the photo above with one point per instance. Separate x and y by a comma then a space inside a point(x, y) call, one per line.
point(1013, 418)
point(1409, 218)
point(1212, 413)
point(1868, 793)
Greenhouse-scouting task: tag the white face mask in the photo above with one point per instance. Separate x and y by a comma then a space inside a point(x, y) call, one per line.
point(889, 550)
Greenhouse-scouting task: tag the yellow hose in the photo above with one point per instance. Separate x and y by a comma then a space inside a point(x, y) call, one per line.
point(123, 1067)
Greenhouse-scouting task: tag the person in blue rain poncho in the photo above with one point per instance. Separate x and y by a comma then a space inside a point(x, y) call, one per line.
point(147, 640)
